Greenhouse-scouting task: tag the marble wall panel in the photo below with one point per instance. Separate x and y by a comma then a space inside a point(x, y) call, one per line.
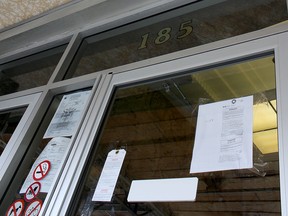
point(15, 11)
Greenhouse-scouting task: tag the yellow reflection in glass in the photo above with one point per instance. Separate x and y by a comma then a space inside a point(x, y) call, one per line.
point(265, 127)
point(266, 141)
point(264, 117)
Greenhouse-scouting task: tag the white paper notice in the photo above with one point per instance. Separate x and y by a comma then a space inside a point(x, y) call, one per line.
point(54, 152)
point(109, 175)
point(163, 190)
point(223, 139)
point(68, 114)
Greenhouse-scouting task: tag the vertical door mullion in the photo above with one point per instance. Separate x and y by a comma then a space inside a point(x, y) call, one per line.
point(281, 64)
point(67, 184)
point(14, 151)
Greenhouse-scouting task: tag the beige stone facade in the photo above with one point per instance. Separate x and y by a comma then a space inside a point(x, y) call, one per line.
point(15, 11)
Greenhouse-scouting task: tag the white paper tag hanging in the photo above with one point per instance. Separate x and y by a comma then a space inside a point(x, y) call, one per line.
point(109, 175)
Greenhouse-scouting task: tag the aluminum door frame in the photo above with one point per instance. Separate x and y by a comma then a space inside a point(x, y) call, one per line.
point(14, 150)
point(171, 64)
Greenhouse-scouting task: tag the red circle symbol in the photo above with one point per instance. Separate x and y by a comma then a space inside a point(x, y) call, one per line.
point(33, 209)
point(32, 191)
point(41, 170)
point(16, 208)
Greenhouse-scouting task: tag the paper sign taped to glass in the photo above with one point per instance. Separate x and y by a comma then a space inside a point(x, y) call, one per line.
point(54, 152)
point(68, 114)
point(223, 139)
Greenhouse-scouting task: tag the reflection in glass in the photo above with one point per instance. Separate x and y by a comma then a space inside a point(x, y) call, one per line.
point(53, 149)
point(29, 72)
point(8, 123)
point(156, 122)
point(199, 23)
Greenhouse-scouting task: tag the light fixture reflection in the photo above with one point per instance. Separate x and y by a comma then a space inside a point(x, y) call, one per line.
point(266, 141)
point(264, 117)
point(265, 127)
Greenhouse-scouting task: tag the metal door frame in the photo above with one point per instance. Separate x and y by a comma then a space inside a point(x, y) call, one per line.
point(169, 65)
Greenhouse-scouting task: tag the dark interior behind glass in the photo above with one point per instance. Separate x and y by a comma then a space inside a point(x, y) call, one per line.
point(29, 72)
point(8, 122)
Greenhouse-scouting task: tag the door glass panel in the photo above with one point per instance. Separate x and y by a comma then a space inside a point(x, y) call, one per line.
point(29, 72)
point(199, 23)
point(8, 123)
point(155, 122)
point(42, 163)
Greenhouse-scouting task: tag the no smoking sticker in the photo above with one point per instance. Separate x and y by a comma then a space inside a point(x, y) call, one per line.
point(32, 191)
point(33, 209)
point(41, 170)
point(16, 208)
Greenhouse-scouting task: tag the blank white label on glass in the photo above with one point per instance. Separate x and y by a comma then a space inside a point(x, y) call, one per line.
point(163, 190)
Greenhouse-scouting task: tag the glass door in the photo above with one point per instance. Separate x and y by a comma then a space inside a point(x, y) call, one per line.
point(155, 122)
point(58, 118)
point(153, 116)
point(15, 117)
point(41, 166)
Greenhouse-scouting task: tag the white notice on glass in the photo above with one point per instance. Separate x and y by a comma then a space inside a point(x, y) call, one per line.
point(109, 175)
point(68, 114)
point(54, 152)
point(223, 138)
point(163, 190)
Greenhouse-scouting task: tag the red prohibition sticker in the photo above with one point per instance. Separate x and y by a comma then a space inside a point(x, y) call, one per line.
point(41, 170)
point(32, 191)
point(16, 208)
point(33, 209)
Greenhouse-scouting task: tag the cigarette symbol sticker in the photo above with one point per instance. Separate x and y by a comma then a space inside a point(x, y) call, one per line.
point(33, 209)
point(41, 170)
point(32, 191)
point(16, 208)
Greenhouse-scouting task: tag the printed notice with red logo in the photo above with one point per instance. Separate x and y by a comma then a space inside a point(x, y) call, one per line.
point(47, 165)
